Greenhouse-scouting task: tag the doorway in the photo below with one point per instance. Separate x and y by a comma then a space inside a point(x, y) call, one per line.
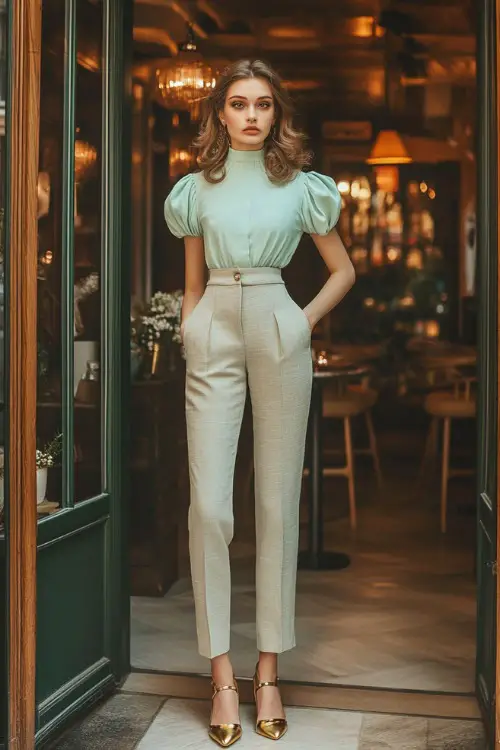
point(81, 648)
point(163, 626)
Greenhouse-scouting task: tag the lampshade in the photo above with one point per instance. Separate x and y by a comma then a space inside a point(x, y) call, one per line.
point(388, 149)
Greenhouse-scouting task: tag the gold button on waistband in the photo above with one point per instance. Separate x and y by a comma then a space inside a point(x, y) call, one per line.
point(237, 276)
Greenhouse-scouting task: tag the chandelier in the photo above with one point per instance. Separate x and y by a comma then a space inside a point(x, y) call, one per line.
point(184, 81)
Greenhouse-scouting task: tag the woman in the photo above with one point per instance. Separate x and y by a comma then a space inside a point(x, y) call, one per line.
point(243, 215)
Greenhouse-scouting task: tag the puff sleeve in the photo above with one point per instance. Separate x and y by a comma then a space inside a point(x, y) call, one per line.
point(181, 211)
point(320, 204)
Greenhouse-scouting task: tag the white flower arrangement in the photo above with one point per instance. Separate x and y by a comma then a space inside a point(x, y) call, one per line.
point(163, 315)
point(46, 457)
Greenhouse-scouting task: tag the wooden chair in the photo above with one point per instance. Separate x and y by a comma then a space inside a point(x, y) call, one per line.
point(446, 406)
point(353, 402)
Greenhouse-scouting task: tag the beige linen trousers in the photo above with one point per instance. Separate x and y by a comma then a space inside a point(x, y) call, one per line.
point(245, 328)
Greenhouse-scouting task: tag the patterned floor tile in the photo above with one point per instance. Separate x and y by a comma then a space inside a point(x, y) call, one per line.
point(118, 724)
point(183, 725)
point(455, 735)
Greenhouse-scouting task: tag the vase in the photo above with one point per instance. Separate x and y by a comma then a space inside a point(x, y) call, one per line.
point(41, 485)
point(162, 359)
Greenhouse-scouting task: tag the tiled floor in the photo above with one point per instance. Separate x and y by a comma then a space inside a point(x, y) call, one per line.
point(401, 616)
point(131, 722)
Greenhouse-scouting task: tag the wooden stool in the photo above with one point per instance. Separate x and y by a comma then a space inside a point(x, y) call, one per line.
point(446, 406)
point(353, 402)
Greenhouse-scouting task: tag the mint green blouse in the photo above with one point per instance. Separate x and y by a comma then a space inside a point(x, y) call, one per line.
point(246, 220)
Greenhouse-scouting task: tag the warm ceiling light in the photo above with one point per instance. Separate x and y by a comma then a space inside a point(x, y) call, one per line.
point(389, 149)
point(292, 32)
point(185, 80)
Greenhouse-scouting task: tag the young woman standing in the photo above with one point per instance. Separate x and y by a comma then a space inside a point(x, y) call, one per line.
point(243, 215)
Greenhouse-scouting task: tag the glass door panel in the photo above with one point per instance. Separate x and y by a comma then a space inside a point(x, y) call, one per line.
point(87, 316)
point(50, 260)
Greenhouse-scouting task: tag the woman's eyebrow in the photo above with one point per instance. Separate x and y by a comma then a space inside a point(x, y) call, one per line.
point(240, 96)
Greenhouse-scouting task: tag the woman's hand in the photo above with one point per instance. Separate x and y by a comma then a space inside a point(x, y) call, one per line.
point(342, 276)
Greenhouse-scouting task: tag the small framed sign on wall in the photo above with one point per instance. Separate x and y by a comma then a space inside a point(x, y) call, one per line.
point(347, 130)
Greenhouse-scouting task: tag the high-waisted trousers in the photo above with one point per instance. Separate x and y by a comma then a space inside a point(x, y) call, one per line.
point(246, 329)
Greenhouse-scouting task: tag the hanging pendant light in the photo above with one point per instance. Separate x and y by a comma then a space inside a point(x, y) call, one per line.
point(389, 149)
point(185, 80)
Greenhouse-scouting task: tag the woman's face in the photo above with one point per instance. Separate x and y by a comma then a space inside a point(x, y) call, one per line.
point(248, 113)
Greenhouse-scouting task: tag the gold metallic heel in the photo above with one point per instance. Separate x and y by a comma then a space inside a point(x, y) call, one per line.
point(273, 729)
point(224, 734)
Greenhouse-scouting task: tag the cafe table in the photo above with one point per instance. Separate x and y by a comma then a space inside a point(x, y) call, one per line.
point(316, 557)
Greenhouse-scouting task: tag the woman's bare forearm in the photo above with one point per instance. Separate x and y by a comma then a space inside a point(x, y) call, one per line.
point(342, 277)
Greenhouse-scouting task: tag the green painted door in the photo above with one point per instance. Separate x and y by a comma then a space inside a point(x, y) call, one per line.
point(83, 355)
point(488, 366)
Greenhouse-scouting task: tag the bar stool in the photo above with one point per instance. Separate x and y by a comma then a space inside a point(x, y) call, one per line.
point(460, 404)
point(354, 401)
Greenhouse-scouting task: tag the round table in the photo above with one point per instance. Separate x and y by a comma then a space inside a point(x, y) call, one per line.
point(316, 557)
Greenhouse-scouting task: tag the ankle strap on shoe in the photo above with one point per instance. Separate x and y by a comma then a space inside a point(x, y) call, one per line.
point(271, 683)
point(219, 688)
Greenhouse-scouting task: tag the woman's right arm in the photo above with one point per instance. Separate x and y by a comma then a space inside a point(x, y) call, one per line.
point(194, 277)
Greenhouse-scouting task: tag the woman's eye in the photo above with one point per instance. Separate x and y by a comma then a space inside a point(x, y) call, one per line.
point(237, 105)
point(265, 105)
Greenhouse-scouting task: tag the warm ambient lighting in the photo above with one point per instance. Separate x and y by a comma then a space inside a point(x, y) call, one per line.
point(302, 84)
point(343, 187)
point(432, 329)
point(364, 27)
point(414, 259)
point(184, 81)
point(180, 162)
point(393, 254)
point(387, 178)
point(389, 149)
point(292, 32)
point(322, 359)
point(85, 158)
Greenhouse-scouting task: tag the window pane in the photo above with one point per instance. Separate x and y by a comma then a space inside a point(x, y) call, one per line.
point(87, 250)
point(50, 251)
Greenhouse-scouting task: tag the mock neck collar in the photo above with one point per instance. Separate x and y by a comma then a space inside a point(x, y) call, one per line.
point(235, 156)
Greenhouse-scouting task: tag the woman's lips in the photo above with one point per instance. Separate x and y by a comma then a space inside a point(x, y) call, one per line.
point(251, 130)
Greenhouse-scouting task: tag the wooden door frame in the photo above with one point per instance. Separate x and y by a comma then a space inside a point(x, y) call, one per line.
point(23, 109)
point(497, 88)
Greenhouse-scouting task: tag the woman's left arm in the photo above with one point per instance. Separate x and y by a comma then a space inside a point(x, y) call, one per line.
point(342, 276)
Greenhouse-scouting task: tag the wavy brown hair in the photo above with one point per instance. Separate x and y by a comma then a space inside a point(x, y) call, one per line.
point(285, 149)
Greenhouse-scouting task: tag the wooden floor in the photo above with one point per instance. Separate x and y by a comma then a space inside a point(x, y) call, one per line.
point(402, 616)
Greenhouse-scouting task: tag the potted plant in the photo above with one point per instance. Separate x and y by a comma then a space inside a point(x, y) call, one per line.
point(45, 459)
